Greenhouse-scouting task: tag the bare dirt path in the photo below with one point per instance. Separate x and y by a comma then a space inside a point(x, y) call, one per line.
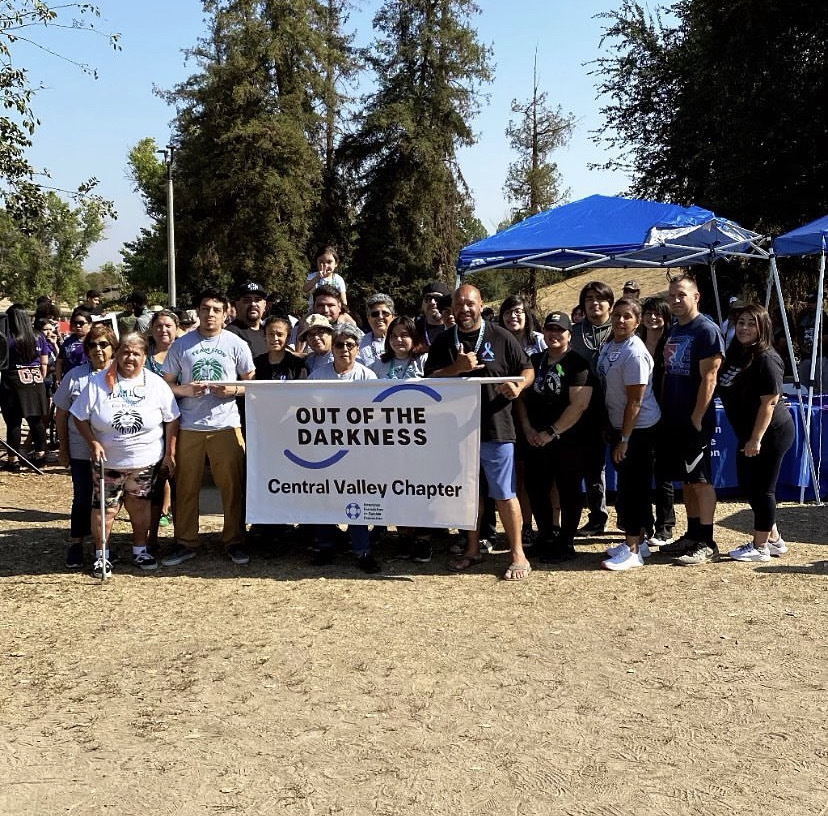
point(281, 688)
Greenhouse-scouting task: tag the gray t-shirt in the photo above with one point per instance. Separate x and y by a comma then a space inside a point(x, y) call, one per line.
point(70, 388)
point(328, 372)
point(623, 364)
point(195, 358)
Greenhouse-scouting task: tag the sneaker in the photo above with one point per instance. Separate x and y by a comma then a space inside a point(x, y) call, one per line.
point(528, 535)
point(421, 551)
point(558, 553)
point(591, 528)
point(458, 547)
point(165, 520)
point(74, 556)
point(677, 547)
point(747, 552)
point(144, 561)
point(623, 561)
point(101, 569)
point(618, 549)
point(700, 553)
point(644, 548)
point(178, 556)
point(238, 554)
point(660, 539)
point(367, 563)
point(778, 547)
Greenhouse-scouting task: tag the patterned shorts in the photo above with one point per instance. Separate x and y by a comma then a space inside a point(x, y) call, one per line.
point(117, 483)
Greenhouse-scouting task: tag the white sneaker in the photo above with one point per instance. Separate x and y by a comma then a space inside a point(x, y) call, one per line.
point(102, 569)
point(747, 552)
point(624, 561)
point(643, 549)
point(777, 547)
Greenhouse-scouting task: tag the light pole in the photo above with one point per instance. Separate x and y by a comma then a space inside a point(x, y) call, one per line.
point(169, 152)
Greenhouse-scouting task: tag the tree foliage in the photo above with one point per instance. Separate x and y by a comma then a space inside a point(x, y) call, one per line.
point(24, 198)
point(48, 257)
point(720, 104)
point(412, 201)
point(249, 135)
point(533, 181)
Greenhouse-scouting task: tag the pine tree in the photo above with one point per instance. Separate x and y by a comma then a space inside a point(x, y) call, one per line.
point(412, 199)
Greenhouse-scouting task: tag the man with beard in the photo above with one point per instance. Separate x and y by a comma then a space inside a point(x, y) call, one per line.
point(327, 301)
point(430, 322)
point(478, 348)
point(587, 338)
point(251, 299)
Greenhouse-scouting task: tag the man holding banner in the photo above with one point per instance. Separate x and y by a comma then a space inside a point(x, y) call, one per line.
point(478, 348)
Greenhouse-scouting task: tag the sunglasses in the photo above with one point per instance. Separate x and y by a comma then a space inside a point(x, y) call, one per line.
point(431, 297)
point(379, 313)
point(341, 345)
point(102, 345)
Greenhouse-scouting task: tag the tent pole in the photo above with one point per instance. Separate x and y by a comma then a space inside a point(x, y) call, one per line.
point(712, 264)
point(815, 351)
point(806, 418)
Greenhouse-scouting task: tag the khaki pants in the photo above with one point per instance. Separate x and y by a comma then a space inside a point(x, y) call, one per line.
point(225, 450)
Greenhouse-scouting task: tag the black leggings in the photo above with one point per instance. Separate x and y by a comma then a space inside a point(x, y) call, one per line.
point(758, 474)
point(13, 417)
point(561, 465)
point(635, 475)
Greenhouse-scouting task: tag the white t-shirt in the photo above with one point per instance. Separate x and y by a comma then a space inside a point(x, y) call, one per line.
point(335, 280)
point(623, 364)
point(328, 372)
point(195, 358)
point(128, 420)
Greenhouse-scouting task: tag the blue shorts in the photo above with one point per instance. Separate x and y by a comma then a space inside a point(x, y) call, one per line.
point(497, 461)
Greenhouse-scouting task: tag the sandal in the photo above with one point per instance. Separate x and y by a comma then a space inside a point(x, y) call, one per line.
point(464, 562)
point(517, 572)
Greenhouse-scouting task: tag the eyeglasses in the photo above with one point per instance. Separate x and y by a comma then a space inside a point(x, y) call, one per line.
point(379, 313)
point(80, 323)
point(341, 345)
point(516, 312)
point(102, 345)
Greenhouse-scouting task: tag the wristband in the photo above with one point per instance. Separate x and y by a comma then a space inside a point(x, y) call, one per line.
point(553, 432)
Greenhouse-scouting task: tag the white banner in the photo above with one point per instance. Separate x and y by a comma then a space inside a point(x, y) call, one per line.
point(387, 452)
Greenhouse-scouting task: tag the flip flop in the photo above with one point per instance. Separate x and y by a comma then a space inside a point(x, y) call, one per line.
point(464, 562)
point(517, 572)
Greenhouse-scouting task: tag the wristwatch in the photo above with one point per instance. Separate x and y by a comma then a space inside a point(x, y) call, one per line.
point(625, 439)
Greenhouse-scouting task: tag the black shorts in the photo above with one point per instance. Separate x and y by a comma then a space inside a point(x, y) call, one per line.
point(686, 452)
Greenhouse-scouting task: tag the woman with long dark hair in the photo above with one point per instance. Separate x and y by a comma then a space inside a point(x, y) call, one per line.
point(516, 316)
point(750, 387)
point(22, 390)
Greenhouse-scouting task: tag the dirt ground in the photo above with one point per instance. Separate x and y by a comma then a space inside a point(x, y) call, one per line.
point(281, 688)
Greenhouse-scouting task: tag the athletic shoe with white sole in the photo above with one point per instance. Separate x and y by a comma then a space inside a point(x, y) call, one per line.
point(748, 552)
point(144, 561)
point(178, 556)
point(778, 547)
point(623, 561)
point(643, 549)
point(700, 553)
point(101, 569)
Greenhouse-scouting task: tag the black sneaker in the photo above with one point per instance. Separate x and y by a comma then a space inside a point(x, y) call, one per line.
point(559, 554)
point(421, 551)
point(144, 561)
point(238, 554)
point(591, 528)
point(367, 563)
point(678, 547)
point(74, 556)
point(528, 535)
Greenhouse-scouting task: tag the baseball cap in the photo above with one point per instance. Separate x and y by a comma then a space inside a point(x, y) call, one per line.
point(314, 322)
point(633, 285)
point(435, 288)
point(251, 288)
point(557, 319)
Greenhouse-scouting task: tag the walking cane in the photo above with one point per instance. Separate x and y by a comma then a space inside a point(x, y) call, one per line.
point(101, 486)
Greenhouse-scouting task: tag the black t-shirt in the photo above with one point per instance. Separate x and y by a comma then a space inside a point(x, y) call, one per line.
point(742, 384)
point(255, 338)
point(292, 367)
point(548, 397)
point(502, 356)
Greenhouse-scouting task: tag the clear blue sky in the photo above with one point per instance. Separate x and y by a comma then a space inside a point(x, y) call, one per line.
point(88, 125)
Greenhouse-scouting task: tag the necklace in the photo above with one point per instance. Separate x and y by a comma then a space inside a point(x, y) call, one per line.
point(479, 336)
point(398, 368)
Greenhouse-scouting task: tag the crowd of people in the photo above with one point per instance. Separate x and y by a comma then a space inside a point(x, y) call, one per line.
point(147, 406)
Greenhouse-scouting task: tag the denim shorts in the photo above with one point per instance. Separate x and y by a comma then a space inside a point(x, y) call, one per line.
point(497, 461)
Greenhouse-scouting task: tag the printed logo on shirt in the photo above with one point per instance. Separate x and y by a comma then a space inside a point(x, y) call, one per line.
point(487, 354)
point(677, 355)
point(127, 422)
point(207, 368)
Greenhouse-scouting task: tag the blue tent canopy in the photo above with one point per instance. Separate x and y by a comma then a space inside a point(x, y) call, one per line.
point(810, 239)
point(611, 232)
